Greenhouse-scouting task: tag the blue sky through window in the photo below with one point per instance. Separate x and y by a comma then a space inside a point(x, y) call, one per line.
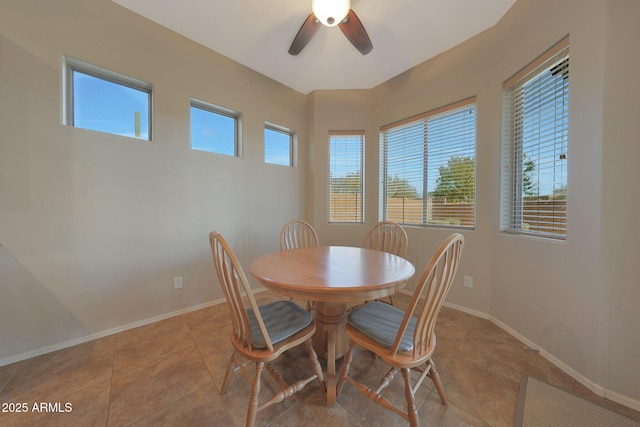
point(345, 154)
point(110, 107)
point(277, 147)
point(406, 159)
point(544, 131)
point(213, 132)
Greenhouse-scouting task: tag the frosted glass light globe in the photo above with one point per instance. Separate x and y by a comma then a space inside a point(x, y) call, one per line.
point(331, 12)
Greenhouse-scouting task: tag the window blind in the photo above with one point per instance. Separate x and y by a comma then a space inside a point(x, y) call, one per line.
point(346, 152)
point(536, 130)
point(427, 165)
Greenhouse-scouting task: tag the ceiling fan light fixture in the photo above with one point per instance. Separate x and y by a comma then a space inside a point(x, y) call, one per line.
point(331, 12)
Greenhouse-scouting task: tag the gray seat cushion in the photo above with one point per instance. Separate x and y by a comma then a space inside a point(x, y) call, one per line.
point(380, 322)
point(282, 320)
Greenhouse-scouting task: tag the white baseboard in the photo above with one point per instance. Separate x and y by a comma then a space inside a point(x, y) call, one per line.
point(597, 389)
point(51, 348)
point(623, 400)
point(467, 310)
point(70, 343)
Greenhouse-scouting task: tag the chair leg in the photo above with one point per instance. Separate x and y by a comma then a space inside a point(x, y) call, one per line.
point(252, 411)
point(316, 366)
point(227, 374)
point(435, 377)
point(412, 412)
point(346, 363)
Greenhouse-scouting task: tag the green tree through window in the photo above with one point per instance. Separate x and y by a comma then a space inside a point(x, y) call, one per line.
point(350, 183)
point(456, 182)
point(400, 188)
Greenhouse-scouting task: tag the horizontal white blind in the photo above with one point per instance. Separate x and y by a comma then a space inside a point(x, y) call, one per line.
point(536, 143)
point(428, 168)
point(346, 151)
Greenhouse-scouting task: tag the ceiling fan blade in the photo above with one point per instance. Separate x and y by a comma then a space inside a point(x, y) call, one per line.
point(355, 32)
point(305, 33)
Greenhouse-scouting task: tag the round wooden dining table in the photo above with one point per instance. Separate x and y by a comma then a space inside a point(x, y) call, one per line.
point(332, 276)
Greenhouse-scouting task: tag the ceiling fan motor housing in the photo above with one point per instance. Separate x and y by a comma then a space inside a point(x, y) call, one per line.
point(342, 16)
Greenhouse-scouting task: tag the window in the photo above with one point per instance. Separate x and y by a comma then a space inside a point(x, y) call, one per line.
point(278, 145)
point(428, 167)
point(346, 151)
point(535, 142)
point(105, 101)
point(214, 129)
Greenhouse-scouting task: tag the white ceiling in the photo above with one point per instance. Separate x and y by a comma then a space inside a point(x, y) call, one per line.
point(258, 33)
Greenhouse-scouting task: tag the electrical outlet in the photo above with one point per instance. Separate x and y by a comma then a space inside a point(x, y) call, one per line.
point(468, 282)
point(178, 282)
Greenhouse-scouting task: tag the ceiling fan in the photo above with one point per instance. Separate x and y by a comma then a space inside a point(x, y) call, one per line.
point(331, 13)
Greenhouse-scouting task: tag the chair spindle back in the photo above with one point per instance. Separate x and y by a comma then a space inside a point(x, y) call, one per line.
point(298, 234)
point(387, 236)
point(430, 293)
point(236, 291)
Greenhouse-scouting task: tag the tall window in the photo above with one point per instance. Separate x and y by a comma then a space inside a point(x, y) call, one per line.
point(535, 143)
point(105, 101)
point(278, 145)
point(428, 167)
point(214, 129)
point(346, 151)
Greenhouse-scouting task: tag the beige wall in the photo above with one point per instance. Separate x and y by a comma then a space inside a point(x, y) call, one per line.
point(93, 227)
point(344, 110)
point(577, 301)
point(621, 177)
point(553, 293)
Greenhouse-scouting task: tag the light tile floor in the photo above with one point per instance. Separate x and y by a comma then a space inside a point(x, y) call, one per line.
point(169, 373)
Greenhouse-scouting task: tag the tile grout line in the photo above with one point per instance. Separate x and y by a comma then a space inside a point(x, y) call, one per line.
point(195, 344)
point(212, 383)
point(113, 370)
point(9, 380)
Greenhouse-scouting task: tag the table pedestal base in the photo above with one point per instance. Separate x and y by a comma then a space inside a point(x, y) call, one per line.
point(330, 340)
point(330, 315)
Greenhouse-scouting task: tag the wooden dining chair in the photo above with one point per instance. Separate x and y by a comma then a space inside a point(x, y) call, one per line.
point(298, 234)
point(405, 340)
point(260, 334)
point(387, 236)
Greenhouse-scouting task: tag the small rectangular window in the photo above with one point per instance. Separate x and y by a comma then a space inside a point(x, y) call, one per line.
point(346, 184)
point(535, 146)
point(214, 129)
point(428, 167)
point(278, 145)
point(105, 101)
